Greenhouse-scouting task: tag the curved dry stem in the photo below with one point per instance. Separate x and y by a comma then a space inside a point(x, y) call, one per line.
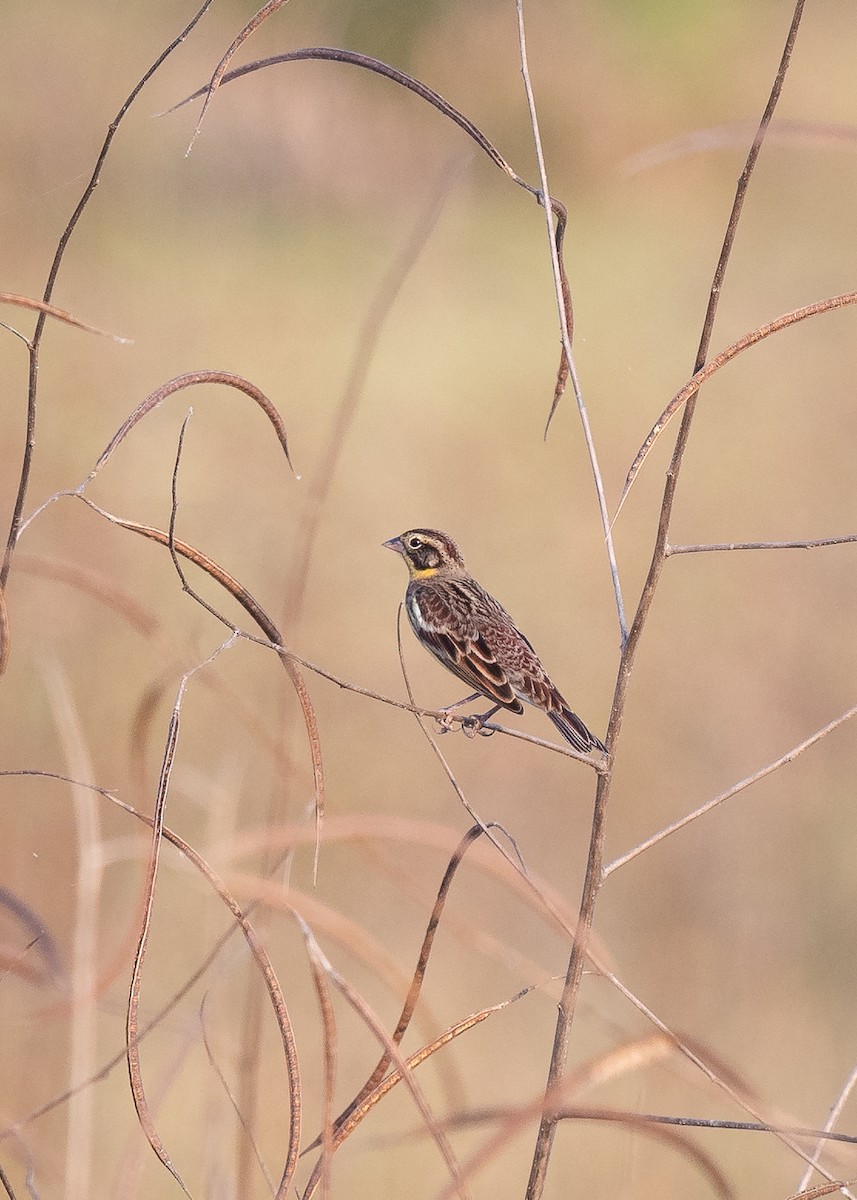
point(258, 614)
point(415, 989)
point(369, 1017)
point(256, 948)
point(132, 1047)
point(554, 208)
point(365, 61)
point(396, 1075)
point(192, 379)
point(220, 70)
point(328, 1024)
point(688, 392)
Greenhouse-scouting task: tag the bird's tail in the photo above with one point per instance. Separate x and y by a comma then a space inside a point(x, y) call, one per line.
point(575, 732)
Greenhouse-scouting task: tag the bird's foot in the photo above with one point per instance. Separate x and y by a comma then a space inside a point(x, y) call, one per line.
point(475, 725)
point(446, 721)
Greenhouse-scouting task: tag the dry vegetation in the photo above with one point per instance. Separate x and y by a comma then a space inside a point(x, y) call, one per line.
point(339, 255)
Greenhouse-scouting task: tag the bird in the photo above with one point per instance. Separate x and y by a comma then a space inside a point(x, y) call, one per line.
point(472, 635)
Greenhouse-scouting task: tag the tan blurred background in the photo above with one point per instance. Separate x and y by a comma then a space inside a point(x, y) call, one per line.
point(262, 254)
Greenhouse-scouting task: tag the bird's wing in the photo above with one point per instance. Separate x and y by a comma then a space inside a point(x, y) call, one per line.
point(451, 638)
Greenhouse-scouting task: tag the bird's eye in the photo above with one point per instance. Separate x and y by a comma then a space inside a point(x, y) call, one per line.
point(415, 543)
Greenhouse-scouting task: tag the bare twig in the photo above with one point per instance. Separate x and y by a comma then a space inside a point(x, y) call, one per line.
point(363, 1010)
point(230, 1096)
point(415, 988)
point(761, 773)
point(812, 544)
point(700, 1057)
point(59, 314)
point(328, 1023)
point(825, 1135)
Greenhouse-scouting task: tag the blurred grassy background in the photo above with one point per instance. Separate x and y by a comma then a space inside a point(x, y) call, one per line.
point(261, 254)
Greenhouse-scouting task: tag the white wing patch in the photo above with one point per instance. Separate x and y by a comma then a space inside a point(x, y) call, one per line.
point(416, 617)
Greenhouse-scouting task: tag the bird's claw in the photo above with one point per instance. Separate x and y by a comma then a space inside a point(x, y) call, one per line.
point(475, 725)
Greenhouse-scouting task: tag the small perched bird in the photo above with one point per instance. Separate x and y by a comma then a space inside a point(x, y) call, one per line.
point(475, 638)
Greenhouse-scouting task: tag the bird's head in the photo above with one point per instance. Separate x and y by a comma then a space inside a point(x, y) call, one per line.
point(427, 552)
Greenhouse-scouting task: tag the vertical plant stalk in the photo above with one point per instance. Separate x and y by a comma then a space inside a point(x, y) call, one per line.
point(80, 1142)
point(594, 866)
point(563, 299)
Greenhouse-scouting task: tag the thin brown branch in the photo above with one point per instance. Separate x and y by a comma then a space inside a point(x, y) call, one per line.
point(290, 662)
point(369, 1017)
point(594, 864)
point(741, 786)
point(7, 1184)
point(812, 544)
point(652, 1125)
point(701, 1057)
point(366, 62)
point(415, 988)
point(833, 1116)
point(328, 1024)
point(4, 631)
point(59, 314)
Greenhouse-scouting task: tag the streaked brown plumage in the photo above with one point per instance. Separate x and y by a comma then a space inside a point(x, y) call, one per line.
point(474, 637)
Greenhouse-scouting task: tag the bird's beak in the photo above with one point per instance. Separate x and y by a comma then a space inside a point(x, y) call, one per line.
point(395, 544)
